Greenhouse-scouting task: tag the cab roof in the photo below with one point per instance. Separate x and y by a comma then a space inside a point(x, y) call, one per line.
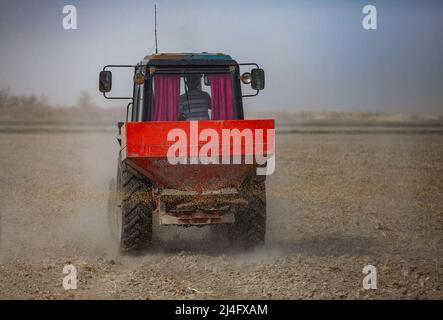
point(203, 58)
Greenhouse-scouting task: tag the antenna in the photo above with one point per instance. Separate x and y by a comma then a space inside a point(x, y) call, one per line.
point(155, 19)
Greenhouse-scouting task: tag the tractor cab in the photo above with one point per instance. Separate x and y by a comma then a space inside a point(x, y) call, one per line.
point(186, 86)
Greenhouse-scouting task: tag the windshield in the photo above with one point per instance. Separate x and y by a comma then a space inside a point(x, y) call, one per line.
point(192, 96)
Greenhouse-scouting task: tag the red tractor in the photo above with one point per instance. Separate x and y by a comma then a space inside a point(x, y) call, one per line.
point(186, 152)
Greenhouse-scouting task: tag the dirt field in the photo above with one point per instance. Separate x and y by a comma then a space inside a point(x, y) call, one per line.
point(336, 203)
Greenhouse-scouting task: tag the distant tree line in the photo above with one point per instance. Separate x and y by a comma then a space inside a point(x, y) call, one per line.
point(37, 109)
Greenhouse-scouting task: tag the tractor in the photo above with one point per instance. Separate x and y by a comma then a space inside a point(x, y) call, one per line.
point(187, 155)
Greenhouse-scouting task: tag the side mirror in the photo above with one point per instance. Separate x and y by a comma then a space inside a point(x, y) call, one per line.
point(105, 82)
point(258, 79)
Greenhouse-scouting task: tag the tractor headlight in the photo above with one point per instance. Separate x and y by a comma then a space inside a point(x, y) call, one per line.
point(246, 78)
point(139, 78)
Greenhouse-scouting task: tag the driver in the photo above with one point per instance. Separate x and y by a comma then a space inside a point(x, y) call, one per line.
point(194, 103)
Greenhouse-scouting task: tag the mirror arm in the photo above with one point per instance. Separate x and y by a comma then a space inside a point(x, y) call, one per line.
point(119, 98)
point(127, 110)
point(251, 95)
point(249, 64)
point(119, 66)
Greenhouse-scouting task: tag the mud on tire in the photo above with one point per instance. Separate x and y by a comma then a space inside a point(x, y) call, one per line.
point(135, 199)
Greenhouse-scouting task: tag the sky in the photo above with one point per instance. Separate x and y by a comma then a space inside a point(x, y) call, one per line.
point(316, 54)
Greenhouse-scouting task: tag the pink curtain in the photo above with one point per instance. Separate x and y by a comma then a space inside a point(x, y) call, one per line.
point(222, 98)
point(166, 98)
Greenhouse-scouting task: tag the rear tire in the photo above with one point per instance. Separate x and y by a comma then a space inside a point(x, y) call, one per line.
point(133, 217)
point(249, 228)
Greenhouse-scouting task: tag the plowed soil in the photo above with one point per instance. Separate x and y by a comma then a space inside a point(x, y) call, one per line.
point(336, 203)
